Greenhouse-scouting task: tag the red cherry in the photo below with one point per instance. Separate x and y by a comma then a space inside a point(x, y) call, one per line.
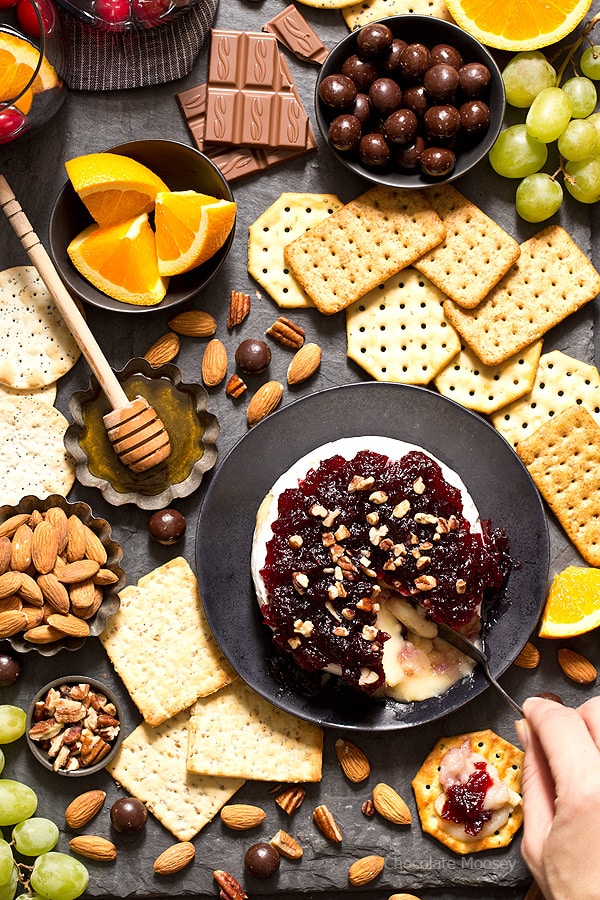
point(12, 123)
point(112, 11)
point(28, 20)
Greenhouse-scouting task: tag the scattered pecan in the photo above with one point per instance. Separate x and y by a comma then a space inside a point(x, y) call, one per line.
point(239, 308)
point(286, 333)
point(230, 889)
point(236, 386)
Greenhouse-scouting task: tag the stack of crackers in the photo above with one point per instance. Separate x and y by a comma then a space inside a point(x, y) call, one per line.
point(436, 292)
point(204, 731)
point(37, 349)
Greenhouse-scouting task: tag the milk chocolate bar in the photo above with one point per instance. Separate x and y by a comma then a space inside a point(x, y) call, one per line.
point(293, 31)
point(249, 100)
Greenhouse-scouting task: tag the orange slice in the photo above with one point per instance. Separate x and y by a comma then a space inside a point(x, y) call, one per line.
point(22, 53)
point(518, 24)
point(120, 260)
point(573, 605)
point(190, 228)
point(114, 188)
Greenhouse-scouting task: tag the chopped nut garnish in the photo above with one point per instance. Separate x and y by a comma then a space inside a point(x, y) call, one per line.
point(358, 483)
point(331, 517)
point(294, 643)
point(422, 518)
point(419, 486)
point(461, 586)
point(342, 533)
point(368, 808)
point(317, 511)
point(295, 541)
point(368, 676)
point(304, 628)
point(425, 582)
point(300, 581)
point(332, 610)
point(328, 539)
point(348, 613)
point(372, 518)
point(401, 509)
point(340, 631)
point(375, 534)
point(423, 562)
point(370, 632)
point(378, 497)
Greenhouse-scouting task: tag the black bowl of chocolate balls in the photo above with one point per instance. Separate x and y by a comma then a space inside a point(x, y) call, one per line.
point(410, 101)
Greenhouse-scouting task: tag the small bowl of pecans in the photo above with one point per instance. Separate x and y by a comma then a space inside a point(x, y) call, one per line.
point(74, 725)
point(60, 574)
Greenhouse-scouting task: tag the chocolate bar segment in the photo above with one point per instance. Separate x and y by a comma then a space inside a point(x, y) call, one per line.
point(249, 100)
point(293, 31)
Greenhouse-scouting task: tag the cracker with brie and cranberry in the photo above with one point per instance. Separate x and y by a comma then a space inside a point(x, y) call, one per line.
point(468, 791)
point(359, 548)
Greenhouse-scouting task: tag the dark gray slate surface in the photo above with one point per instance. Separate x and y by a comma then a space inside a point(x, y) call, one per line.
point(95, 121)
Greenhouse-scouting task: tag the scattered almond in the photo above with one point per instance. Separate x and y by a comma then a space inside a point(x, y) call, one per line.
point(365, 870)
point(286, 845)
point(164, 350)
point(576, 667)
point(290, 799)
point(93, 847)
point(353, 761)
point(83, 808)
point(174, 858)
point(240, 816)
point(323, 819)
point(214, 363)
point(305, 363)
point(193, 323)
point(264, 401)
point(529, 657)
point(390, 804)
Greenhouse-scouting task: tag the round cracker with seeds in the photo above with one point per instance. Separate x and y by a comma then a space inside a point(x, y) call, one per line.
point(32, 452)
point(45, 394)
point(38, 347)
point(507, 759)
point(358, 14)
point(398, 330)
point(287, 218)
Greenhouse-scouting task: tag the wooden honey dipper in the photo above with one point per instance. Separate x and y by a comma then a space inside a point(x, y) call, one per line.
point(137, 434)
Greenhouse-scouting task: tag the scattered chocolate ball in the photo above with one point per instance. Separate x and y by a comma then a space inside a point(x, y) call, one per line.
point(437, 161)
point(415, 98)
point(474, 79)
point(374, 150)
point(374, 40)
point(337, 91)
point(261, 860)
point(390, 64)
point(441, 82)
point(444, 53)
point(474, 117)
point(128, 815)
point(10, 669)
point(167, 526)
point(361, 108)
point(385, 95)
point(344, 132)
point(442, 122)
point(253, 356)
point(401, 127)
point(550, 695)
point(362, 72)
point(407, 158)
point(414, 62)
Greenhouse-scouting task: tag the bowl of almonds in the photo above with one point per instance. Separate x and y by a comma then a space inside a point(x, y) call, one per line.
point(60, 574)
point(74, 725)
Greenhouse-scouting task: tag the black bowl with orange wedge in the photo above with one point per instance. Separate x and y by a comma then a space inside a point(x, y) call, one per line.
point(181, 168)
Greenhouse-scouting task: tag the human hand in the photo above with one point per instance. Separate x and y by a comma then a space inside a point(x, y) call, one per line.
point(561, 797)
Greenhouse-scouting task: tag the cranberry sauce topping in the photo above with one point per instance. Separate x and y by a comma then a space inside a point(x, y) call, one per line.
point(464, 802)
point(351, 525)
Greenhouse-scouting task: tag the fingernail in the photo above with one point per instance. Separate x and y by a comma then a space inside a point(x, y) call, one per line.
point(522, 729)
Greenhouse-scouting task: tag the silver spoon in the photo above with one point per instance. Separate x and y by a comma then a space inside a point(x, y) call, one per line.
point(470, 649)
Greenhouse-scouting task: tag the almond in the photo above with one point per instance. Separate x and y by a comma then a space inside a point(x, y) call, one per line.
point(8, 527)
point(94, 548)
point(353, 761)
point(93, 847)
point(286, 845)
point(55, 592)
point(365, 869)
point(194, 323)
point(403, 897)
point(163, 350)
point(11, 622)
point(174, 858)
point(214, 363)
point(529, 657)
point(76, 543)
point(80, 570)
point(576, 667)
point(290, 799)
point(20, 558)
point(264, 401)
point(44, 547)
point(10, 583)
point(5, 554)
point(68, 624)
point(105, 576)
point(240, 816)
point(42, 634)
point(58, 517)
point(84, 807)
point(323, 819)
point(304, 363)
point(34, 616)
point(30, 590)
point(390, 804)
point(12, 602)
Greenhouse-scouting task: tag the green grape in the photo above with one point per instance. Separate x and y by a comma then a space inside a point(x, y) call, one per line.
point(35, 836)
point(525, 76)
point(583, 96)
point(595, 120)
point(7, 862)
point(538, 197)
point(590, 62)
point(17, 802)
point(8, 890)
point(584, 179)
point(13, 722)
point(578, 140)
point(516, 154)
point(2, 761)
point(57, 876)
point(548, 115)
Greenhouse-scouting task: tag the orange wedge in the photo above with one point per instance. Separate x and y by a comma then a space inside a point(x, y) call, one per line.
point(190, 228)
point(114, 188)
point(19, 52)
point(518, 24)
point(120, 260)
point(573, 605)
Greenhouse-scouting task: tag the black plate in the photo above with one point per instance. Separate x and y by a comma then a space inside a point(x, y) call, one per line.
point(499, 483)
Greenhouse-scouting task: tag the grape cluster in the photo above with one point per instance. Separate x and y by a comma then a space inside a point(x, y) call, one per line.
point(562, 113)
point(51, 875)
